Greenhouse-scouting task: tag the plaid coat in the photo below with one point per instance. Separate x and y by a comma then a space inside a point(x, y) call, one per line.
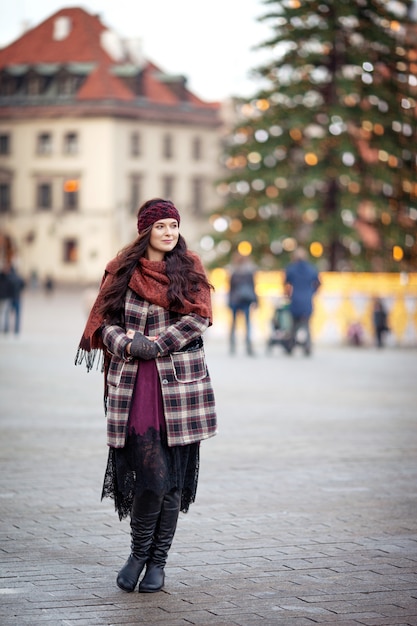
point(187, 393)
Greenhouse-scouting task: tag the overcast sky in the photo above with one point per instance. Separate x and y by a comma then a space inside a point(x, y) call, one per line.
point(209, 42)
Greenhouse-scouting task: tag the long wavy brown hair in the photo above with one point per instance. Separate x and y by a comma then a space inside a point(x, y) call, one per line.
point(184, 280)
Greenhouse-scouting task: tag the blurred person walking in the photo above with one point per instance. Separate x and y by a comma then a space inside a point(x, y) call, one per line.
point(6, 294)
point(242, 297)
point(380, 321)
point(300, 284)
point(152, 309)
point(13, 308)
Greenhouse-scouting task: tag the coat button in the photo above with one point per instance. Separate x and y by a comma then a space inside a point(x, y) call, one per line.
point(164, 381)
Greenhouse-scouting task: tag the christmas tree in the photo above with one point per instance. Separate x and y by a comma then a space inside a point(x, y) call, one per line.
point(324, 154)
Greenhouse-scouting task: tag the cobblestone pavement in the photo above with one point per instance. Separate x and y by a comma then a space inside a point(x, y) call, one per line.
point(306, 509)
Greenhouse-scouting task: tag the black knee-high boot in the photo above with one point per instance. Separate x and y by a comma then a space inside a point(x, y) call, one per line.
point(165, 530)
point(146, 510)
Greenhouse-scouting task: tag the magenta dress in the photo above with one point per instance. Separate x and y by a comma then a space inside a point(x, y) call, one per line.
point(146, 462)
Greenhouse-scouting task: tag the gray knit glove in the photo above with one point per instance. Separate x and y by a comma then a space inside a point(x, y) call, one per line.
point(143, 348)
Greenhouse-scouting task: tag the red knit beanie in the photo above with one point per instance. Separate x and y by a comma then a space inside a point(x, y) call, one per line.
point(160, 210)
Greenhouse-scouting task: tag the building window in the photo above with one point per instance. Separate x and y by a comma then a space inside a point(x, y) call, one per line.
point(167, 146)
point(135, 193)
point(70, 250)
point(168, 187)
point(196, 149)
point(5, 197)
point(8, 85)
point(44, 145)
point(71, 192)
point(197, 185)
point(44, 196)
point(67, 85)
point(135, 147)
point(34, 86)
point(71, 143)
point(4, 144)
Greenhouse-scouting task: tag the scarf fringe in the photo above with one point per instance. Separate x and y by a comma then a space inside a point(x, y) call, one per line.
point(90, 357)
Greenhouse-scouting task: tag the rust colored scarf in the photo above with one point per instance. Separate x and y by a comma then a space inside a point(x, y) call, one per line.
point(150, 282)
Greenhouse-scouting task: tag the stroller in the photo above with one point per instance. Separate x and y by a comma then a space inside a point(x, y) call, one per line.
point(285, 333)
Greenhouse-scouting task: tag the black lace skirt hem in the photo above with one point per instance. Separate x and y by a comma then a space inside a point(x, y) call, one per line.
point(147, 463)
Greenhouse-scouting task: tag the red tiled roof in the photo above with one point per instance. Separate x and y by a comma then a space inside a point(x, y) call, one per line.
point(158, 91)
point(83, 44)
point(38, 45)
point(154, 89)
point(101, 85)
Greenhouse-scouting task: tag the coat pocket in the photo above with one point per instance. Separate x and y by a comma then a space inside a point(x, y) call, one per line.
point(189, 366)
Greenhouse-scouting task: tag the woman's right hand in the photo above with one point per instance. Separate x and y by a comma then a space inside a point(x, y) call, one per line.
point(143, 347)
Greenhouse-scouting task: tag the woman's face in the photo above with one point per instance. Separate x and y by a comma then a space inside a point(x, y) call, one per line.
point(163, 239)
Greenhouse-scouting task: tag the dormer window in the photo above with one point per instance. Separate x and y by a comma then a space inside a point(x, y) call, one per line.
point(62, 28)
point(67, 85)
point(34, 86)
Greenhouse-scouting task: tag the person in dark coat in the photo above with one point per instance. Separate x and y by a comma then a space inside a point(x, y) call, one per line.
point(380, 321)
point(152, 309)
point(300, 284)
point(242, 297)
point(6, 295)
point(13, 308)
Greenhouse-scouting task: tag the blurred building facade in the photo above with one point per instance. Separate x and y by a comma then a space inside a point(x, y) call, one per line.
point(89, 129)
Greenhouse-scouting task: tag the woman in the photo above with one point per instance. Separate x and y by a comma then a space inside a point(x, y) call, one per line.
point(153, 306)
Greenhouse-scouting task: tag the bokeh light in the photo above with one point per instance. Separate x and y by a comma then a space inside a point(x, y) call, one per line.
point(397, 253)
point(235, 226)
point(310, 158)
point(316, 249)
point(245, 248)
point(207, 243)
point(262, 105)
point(249, 212)
point(220, 224)
point(289, 244)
